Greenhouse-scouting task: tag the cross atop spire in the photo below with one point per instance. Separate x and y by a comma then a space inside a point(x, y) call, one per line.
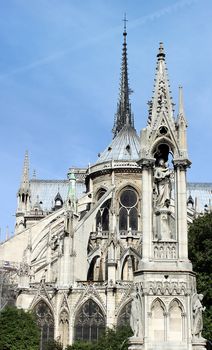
point(125, 20)
point(123, 115)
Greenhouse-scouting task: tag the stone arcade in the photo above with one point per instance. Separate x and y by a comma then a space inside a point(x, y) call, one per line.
point(112, 248)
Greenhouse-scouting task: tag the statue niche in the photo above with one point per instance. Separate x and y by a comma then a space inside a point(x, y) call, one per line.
point(162, 184)
point(162, 193)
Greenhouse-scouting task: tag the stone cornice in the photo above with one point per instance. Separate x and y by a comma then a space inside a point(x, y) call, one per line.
point(182, 164)
point(146, 163)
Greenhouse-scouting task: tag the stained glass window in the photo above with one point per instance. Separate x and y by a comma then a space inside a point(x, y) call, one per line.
point(128, 210)
point(89, 322)
point(45, 321)
point(124, 315)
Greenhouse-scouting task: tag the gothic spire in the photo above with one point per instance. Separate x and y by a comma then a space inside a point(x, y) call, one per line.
point(181, 112)
point(161, 99)
point(123, 115)
point(25, 173)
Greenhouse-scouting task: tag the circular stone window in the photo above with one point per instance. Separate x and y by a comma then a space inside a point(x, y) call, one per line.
point(128, 198)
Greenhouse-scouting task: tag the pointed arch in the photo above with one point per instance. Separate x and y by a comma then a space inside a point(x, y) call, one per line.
point(129, 209)
point(95, 272)
point(45, 320)
point(89, 321)
point(100, 192)
point(123, 317)
point(157, 320)
point(176, 320)
point(128, 268)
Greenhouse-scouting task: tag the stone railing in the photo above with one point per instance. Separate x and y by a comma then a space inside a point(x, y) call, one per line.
point(112, 165)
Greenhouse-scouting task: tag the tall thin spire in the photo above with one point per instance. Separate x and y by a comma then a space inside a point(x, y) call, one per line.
point(181, 103)
point(25, 173)
point(123, 115)
point(161, 99)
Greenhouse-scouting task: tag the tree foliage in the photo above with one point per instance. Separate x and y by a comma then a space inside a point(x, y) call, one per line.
point(200, 253)
point(53, 345)
point(18, 330)
point(112, 339)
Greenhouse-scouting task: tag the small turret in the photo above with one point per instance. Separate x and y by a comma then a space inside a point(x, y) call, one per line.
point(24, 196)
point(72, 190)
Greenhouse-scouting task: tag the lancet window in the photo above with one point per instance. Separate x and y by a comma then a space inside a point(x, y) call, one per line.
point(102, 217)
point(45, 321)
point(176, 318)
point(128, 210)
point(124, 315)
point(89, 322)
point(95, 270)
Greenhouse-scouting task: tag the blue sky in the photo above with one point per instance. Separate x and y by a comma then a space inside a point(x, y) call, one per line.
point(59, 78)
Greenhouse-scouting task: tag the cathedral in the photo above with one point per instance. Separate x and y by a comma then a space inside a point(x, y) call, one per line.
point(108, 246)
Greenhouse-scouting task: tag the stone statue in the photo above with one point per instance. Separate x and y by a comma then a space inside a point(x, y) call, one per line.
point(162, 184)
point(197, 310)
point(135, 317)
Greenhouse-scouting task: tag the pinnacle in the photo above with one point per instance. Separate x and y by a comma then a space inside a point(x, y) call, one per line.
point(25, 173)
point(123, 115)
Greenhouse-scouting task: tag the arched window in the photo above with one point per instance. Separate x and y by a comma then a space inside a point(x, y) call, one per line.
point(100, 193)
point(95, 270)
point(157, 321)
point(45, 321)
point(128, 210)
point(64, 328)
point(128, 268)
point(102, 217)
point(175, 321)
point(89, 322)
point(124, 315)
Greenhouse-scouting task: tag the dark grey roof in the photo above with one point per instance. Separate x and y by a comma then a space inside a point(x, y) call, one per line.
point(48, 189)
point(125, 146)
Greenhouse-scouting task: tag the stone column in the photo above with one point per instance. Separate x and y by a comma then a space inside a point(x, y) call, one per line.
point(146, 208)
point(181, 208)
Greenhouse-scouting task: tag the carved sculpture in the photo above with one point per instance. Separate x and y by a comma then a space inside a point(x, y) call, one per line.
point(197, 310)
point(162, 184)
point(135, 317)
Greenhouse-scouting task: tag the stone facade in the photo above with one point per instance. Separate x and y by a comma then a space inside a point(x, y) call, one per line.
point(116, 253)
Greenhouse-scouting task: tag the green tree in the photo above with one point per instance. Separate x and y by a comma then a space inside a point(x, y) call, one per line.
point(112, 339)
point(53, 345)
point(200, 254)
point(18, 330)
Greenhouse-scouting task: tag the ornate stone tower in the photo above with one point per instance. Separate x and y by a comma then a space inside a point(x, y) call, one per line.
point(23, 196)
point(167, 306)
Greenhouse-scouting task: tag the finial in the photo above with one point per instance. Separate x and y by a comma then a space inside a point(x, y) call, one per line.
point(161, 55)
point(181, 104)
point(125, 24)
